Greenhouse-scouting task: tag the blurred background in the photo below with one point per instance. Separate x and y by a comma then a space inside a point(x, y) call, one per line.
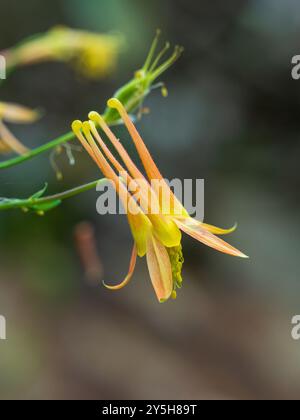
point(232, 118)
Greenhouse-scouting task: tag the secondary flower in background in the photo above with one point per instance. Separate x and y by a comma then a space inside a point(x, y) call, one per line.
point(93, 55)
point(18, 114)
point(85, 242)
point(156, 233)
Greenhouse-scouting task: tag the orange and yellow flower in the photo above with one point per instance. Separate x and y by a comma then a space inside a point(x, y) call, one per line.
point(156, 217)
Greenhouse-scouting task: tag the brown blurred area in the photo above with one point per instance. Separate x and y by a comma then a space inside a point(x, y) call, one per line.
point(232, 118)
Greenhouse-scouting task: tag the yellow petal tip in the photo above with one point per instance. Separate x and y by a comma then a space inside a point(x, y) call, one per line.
point(234, 228)
point(94, 116)
point(114, 103)
point(86, 127)
point(76, 126)
point(244, 256)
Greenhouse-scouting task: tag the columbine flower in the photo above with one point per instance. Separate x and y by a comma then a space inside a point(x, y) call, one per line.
point(18, 114)
point(156, 232)
point(93, 55)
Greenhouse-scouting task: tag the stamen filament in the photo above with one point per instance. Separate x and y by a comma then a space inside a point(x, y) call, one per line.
point(77, 127)
point(134, 171)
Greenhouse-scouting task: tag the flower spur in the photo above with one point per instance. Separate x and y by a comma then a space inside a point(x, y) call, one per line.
point(156, 217)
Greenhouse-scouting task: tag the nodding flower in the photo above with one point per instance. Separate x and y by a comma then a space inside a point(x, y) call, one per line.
point(133, 93)
point(156, 217)
point(17, 114)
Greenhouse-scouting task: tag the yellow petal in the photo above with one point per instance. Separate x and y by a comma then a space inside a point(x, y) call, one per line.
point(130, 272)
point(165, 230)
point(196, 231)
point(10, 141)
point(17, 113)
point(141, 228)
point(160, 269)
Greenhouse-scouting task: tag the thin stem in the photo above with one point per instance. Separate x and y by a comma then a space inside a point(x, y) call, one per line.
point(42, 149)
point(30, 202)
point(37, 151)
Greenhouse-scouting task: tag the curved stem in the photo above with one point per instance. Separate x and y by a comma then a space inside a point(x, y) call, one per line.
point(8, 204)
point(37, 151)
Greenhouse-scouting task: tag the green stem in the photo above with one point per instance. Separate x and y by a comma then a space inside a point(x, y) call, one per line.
point(37, 151)
point(45, 147)
point(30, 202)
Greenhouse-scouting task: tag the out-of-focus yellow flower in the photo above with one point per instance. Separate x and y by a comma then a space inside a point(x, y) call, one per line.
point(93, 55)
point(156, 232)
point(17, 114)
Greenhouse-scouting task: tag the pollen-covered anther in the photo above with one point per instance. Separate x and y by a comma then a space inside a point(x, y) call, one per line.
point(177, 260)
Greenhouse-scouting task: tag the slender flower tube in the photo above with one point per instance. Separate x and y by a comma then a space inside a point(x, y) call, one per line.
point(156, 231)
